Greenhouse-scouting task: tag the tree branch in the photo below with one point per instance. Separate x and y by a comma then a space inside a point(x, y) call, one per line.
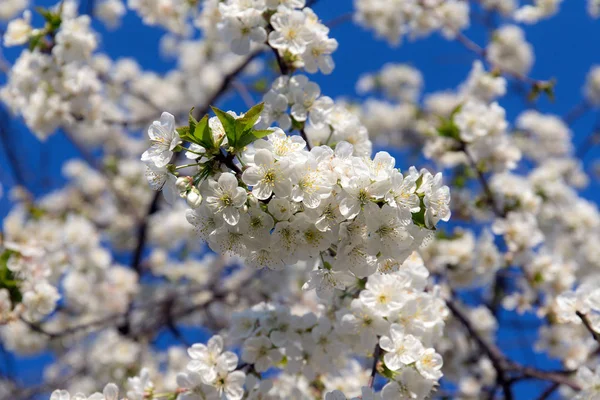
point(504, 366)
point(548, 392)
point(484, 184)
point(198, 113)
point(376, 354)
point(588, 325)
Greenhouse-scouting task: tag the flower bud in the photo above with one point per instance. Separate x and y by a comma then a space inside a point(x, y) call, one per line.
point(193, 198)
point(184, 183)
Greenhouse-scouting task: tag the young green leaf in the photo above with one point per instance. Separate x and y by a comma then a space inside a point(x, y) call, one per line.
point(184, 134)
point(251, 136)
point(8, 280)
point(449, 129)
point(249, 119)
point(229, 125)
point(192, 120)
point(35, 41)
point(203, 133)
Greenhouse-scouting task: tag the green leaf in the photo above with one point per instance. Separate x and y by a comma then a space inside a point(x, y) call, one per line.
point(534, 93)
point(259, 134)
point(203, 133)
point(36, 212)
point(419, 217)
point(7, 279)
point(449, 129)
point(35, 41)
point(52, 18)
point(260, 85)
point(249, 119)
point(443, 235)
point(456, 110)
point(192, 120)
point(546, 87)
point(297, 125)
point(183, 131)
point(229, 125)
point(252, 136)
point(184, 134)
point(419, 181)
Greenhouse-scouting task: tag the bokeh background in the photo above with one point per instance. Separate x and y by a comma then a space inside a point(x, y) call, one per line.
point(566, 46)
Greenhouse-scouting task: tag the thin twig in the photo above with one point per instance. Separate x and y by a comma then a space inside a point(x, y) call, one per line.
point(481, 53)
point(588, 325)
point(305, 137)
point(548, 392)
point(244, 93)
point(136, 260)
point(484, 184)
point(339, 20)
point(576, 112)
point(11, 155)
point(376, 354)
point(199, 112)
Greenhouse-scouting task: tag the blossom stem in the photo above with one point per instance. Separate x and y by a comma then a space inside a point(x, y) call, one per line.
point(240, 160)
point(186, 166)
point(193, 151)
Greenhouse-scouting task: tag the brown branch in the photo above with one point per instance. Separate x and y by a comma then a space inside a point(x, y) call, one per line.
point(228, 161)
point(136, 260)
point(198, 113)
point(588, 325)
point(11, 155)
point(376, 354)
point(494, 354)
point(548, 392)
point(551, 376)
point(576, 112)
point(504, 366)
point(481, 53)
point(339, 20)
point(242, 90)
point(484, 184)
point(305, 137)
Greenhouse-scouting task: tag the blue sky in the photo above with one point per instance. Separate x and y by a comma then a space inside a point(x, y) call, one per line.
point(565, 48)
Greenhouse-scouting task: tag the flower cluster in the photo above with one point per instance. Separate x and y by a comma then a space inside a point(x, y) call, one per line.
point(170, 14)
point(310, 347)
point(510, 51)
point(292, 30)
point(307, 267)
point(61, 80)
point(394, 19)
point(41, 249)
point(283, 204)
point(53, 84)
point(397, 81)
point(533, 13)
point(11, 8)
point(296, 101)
point(471, 125)
point(592, 86)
